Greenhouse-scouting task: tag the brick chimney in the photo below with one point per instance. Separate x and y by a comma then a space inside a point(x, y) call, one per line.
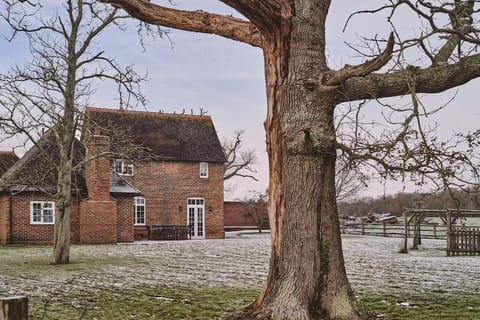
point(98, 213)
point(97, 170)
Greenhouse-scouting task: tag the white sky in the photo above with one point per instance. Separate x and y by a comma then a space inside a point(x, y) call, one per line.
point(227, 78)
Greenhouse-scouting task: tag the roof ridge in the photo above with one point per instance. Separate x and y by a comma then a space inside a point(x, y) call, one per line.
point(151, 113)
point(7, 152)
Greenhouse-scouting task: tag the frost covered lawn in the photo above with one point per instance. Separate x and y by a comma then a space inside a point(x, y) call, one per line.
point(205, 279)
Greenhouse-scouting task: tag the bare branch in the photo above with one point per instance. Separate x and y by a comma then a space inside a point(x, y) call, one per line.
point(196, 21)
point(263, 13)
point(239, 163)
point(363, 69)
point(461, 20)
point(430, 80)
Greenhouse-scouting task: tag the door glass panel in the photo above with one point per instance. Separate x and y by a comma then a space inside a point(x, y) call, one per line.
point(200, 222)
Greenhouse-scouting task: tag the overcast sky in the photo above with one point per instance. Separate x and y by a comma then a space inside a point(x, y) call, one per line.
point(226, 78)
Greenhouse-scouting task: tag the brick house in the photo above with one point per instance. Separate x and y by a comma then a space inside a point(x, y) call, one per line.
point(172, 178)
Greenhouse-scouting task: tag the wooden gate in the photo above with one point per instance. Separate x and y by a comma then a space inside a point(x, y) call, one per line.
point(463, 240)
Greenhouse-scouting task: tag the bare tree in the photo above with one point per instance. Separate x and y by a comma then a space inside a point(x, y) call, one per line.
point(348, 182)
point(239, 162)
point(256, 208)
point(50, 91)
point(307, 278)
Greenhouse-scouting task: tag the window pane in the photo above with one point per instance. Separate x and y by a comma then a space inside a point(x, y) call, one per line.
point(36, 212)
point(47, 216)
point(139, 211)
point(203, 169)
point(118, 166)
point(36, 216)
point(200, 222)
point(191, 216)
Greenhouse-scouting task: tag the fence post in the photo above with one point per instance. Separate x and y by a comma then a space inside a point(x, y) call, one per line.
point(449, 230)
point(434, 231)
point(363, 228)
point(405, 239)
point(14, 308)
point(415, 231)
point(384, 229)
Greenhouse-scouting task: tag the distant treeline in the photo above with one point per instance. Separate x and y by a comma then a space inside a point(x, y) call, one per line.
point(396, 203)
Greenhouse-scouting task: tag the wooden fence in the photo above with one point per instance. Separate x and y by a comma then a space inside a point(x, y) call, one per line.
point(395, 230)
point(463, 240)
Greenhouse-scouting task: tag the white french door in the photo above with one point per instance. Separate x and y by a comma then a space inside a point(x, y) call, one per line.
point(196, 217)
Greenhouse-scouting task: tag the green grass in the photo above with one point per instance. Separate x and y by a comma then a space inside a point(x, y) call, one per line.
point(144, 303)
point(74, 291)
point(212, 303)
point(429, 306)
point(37, 260)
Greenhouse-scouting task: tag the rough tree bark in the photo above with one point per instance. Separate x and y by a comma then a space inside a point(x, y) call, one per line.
point(307, 278)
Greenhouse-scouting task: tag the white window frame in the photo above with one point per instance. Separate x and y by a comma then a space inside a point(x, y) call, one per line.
point(204, 170)
point(43, 209)
point(139, 202)
point(123, 166)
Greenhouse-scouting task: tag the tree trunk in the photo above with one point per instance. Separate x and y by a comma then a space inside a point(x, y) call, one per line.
point(65, 142)
point(61, 241)
point(307, 278)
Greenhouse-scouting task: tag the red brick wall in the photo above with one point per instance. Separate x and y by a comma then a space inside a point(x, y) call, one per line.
point(125, 219)
point(98, 221)
point(97, 170)
point(234, 215)
point(4, 216)
point(167, 185)
point(141, 233)
point(98, 213)
point(24, 232)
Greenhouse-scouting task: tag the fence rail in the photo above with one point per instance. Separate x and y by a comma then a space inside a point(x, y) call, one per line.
point(395, 230)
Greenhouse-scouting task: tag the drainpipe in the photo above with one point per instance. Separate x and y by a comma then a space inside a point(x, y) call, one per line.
point(10, 218)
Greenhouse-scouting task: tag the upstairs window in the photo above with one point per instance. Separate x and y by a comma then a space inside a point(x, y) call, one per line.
point(42, 212)
point(203, 169)
point(123, 167)
point(139, 211)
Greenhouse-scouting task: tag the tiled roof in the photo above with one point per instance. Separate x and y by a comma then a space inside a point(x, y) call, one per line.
point(7, 160)
point(37, 169)
point(168, 137)
point(120, 185)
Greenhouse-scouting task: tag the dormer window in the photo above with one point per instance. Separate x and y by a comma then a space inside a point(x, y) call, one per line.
point(204, 170)
point(123, 167)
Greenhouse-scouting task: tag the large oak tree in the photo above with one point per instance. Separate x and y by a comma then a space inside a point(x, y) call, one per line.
point(307, 278)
